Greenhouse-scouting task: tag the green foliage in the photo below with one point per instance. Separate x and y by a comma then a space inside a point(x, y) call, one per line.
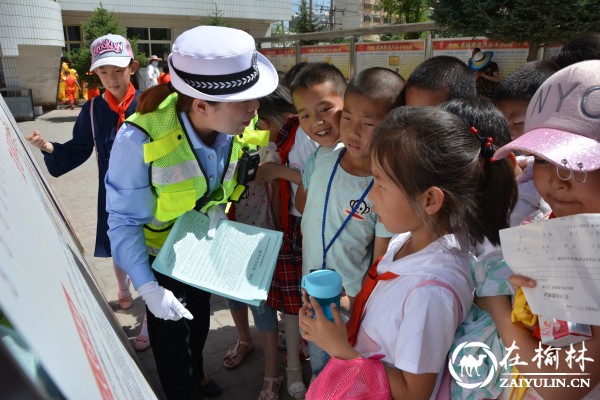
point(278, 29)
point(404, 12)
point(534, 22)
point(100, 23)
point(216, 18)
point(305, 22)
point(386, 37)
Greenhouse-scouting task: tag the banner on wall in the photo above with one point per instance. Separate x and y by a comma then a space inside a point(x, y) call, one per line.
point(402, 57)
point(509, 56)
point(551, 51)
point(47, 290)
point(338, 55)
point(282, 58)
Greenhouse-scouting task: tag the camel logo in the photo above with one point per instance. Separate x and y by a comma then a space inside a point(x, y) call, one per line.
point(470, 364)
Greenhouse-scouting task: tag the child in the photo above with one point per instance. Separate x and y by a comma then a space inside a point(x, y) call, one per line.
point(513, 94)
point(561, 131)
point(488, 269)
point(512, 97)
point(317, 91)
point(261, 208)
point(96, 127)
point(435, 181)
point(337, 182)
point(582, 48)
point(71, 86)
point(164, 76)
point(179, 152)
point(439, 79)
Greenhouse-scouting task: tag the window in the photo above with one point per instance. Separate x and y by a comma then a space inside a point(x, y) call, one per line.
point(72, 37)
point(367, 18)
point(152, 41)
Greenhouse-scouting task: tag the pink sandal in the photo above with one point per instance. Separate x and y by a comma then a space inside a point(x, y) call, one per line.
point(236, 356)
point(273, 385)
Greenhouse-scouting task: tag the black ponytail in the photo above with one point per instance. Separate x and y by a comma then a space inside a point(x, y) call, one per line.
point(421, 147)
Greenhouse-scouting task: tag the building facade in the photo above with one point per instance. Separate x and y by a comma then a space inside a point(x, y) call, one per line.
point(34, 34)
point(353, 14)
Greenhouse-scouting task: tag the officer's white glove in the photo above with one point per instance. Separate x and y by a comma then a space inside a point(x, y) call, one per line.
point(215, 214)
point(162, 303)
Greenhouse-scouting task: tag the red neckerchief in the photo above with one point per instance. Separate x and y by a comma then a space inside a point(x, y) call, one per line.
point(361, 299)
point(120, 108)
point(285, 141)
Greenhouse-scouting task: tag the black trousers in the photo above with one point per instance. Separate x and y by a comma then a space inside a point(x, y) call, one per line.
point(178, 345)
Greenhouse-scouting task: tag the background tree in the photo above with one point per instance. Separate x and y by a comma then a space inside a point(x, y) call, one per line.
point(537, 23)
point(404, 12)
point(305, 22)
point(278, 29)
point(100, 23)
point(216, 18)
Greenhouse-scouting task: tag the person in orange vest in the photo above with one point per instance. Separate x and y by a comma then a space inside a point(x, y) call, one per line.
point(75, 76)
point(164, 76)
point(71, 86)
point(62, 95)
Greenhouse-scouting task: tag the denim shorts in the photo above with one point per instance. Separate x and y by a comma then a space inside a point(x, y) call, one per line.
point(265, 318)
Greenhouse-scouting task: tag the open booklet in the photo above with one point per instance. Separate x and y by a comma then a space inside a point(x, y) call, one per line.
point(238, 262)
point(563, 256)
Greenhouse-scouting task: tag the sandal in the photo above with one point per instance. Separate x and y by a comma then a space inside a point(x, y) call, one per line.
point(236, 355)
point(296, 388)
point(271, 392)
point(142, 342)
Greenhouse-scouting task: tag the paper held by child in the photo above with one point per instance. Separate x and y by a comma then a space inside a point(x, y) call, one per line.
point(237, 263)
point(563, 256)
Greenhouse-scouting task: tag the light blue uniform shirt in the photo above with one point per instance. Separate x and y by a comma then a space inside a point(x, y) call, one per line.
point(130, 199)
point(352, 252)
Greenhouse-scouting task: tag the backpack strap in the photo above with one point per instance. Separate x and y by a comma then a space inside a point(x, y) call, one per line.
point(93, 128)
point(434, 282)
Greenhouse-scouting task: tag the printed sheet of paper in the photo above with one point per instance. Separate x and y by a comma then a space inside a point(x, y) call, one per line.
point(563, 256)
point(237, 263)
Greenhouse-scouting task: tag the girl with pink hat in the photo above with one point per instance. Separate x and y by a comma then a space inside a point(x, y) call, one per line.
point(96, 128)
point(562, 132)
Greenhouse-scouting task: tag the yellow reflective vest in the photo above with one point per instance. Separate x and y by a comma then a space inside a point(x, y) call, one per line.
point(177, 176)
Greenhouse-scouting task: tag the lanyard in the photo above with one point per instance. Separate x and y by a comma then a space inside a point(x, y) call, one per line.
point(348, 218)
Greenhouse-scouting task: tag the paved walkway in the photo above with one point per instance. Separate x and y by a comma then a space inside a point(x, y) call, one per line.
point(76, 192)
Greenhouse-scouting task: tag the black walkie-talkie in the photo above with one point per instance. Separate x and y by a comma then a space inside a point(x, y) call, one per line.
point(247, 166)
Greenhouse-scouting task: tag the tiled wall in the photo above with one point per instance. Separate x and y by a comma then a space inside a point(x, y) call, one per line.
point(177, 24)
point(266, 10)
point(29, 22)
point(35, 25)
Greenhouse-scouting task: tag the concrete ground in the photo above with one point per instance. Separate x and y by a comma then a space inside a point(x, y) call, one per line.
point(76, 192)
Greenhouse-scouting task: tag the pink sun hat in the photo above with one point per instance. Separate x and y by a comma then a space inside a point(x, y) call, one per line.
point(562, 124)
point(111, 50)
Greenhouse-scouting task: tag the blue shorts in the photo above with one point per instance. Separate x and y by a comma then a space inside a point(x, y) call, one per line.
point(265, 318)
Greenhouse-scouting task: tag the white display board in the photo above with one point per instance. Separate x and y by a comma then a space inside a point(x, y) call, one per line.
point(402, 57)
point(47, 290)
point(282, 58)
point(336, 54)
point(508, 56)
